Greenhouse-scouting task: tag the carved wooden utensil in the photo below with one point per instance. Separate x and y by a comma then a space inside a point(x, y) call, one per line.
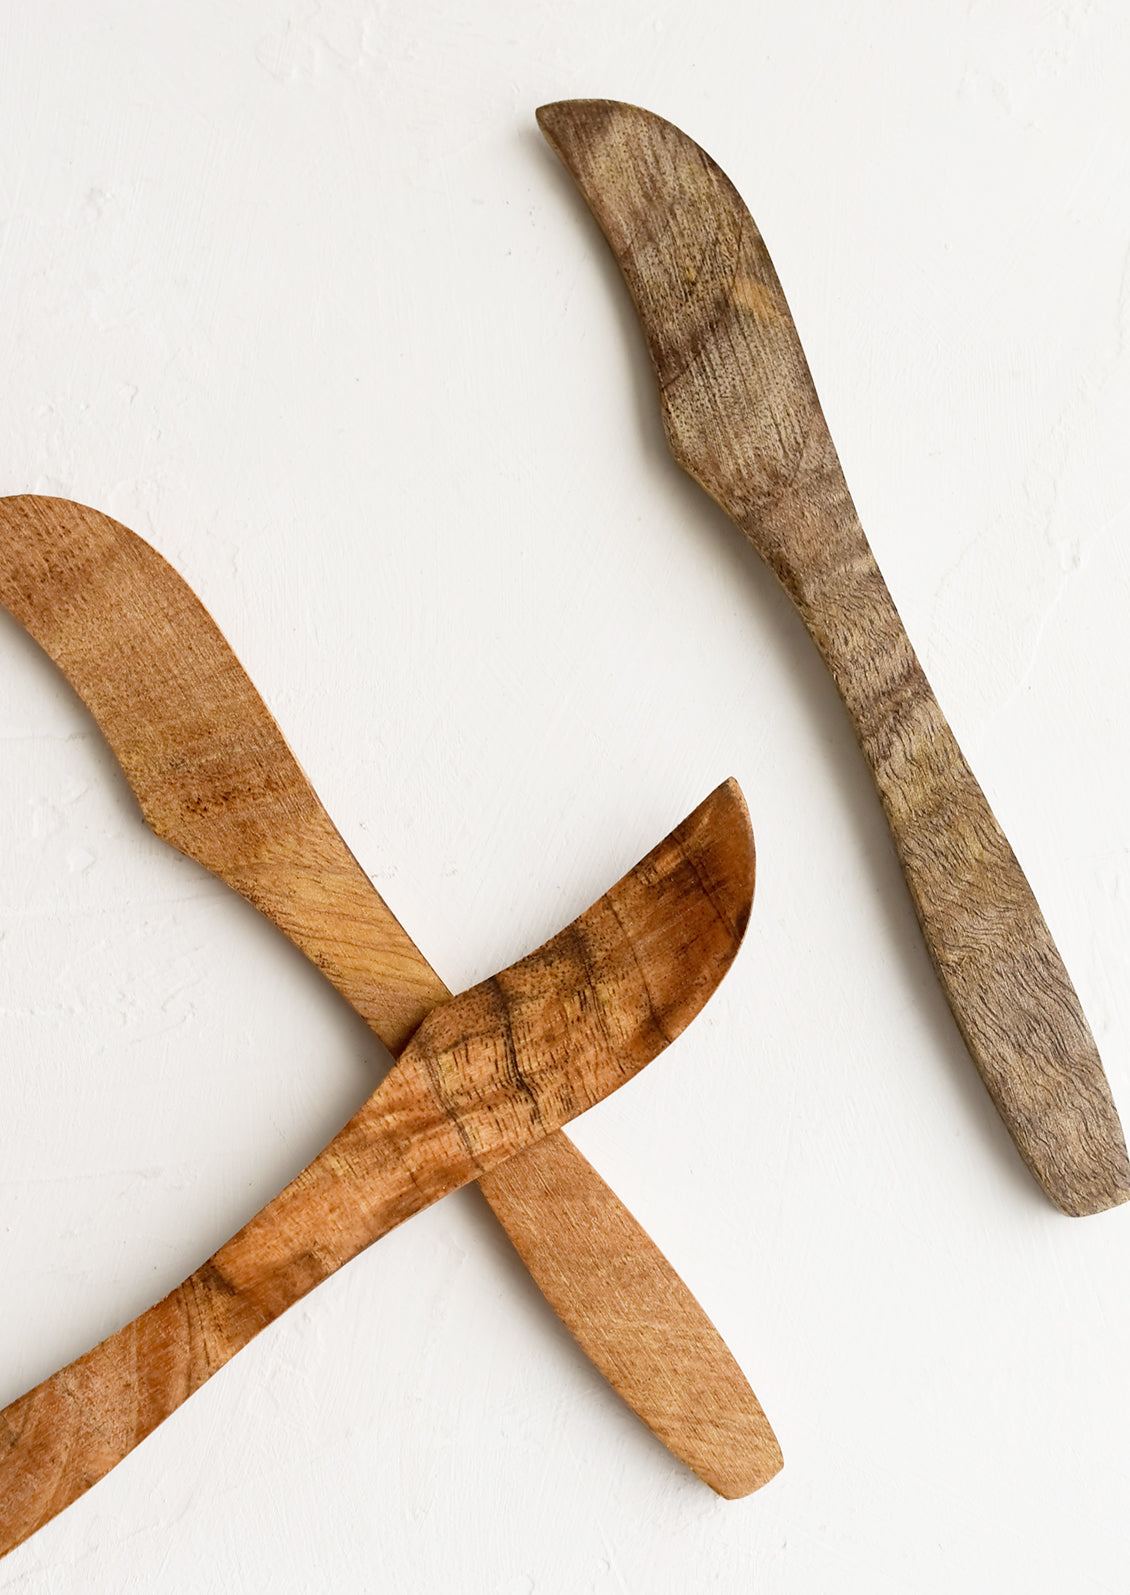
point(485, 1075)
point(742, 418)
point(216, 779)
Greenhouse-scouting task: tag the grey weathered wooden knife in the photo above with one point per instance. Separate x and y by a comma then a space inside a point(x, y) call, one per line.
point(742, 417)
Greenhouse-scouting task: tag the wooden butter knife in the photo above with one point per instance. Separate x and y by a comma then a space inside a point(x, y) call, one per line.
point(216, 780)
point(485, 1075)
point(742, 417)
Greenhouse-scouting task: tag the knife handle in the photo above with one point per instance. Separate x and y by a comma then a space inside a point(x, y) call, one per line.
point(1004, 979)
point(632, 1314)
point(66, 1434)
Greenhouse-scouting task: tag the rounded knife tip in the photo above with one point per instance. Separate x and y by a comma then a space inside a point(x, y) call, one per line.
point(551, 116)
point(564, 120)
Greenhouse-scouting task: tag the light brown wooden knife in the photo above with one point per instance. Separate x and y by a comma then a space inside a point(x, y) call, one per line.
point(485, 1075)
point(743, 419)
point(216, 780)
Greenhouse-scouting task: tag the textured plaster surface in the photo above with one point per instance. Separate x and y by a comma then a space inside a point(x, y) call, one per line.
point(298, 293)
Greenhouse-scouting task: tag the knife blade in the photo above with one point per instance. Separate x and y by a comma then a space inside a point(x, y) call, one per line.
point(743, 419)
point(485, 1075)
point(216, 780)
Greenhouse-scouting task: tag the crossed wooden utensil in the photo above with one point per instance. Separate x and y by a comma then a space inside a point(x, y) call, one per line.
point(482, 1082)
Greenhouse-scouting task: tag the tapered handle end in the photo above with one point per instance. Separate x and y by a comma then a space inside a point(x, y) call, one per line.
point(674, 1369)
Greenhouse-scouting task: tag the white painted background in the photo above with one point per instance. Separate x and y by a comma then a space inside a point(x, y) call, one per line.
point(297, 291)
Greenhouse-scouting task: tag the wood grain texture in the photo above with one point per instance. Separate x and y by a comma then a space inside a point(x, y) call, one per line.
point(485, 1075)
point(657, 1367)
point(742, 417)
point(216, 779)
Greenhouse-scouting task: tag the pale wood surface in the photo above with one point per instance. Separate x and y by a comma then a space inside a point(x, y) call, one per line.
point(743, 418)
point(485, 1075)
point(216, 779)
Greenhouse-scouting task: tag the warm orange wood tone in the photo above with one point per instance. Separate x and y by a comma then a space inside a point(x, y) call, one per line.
point(659, 1368)
point(484, 1076)
point(216, 779)
point(742, 417)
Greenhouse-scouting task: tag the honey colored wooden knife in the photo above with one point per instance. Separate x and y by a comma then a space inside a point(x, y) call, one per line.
point(216, 780)
point(484, 1076)
point(742, 417)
